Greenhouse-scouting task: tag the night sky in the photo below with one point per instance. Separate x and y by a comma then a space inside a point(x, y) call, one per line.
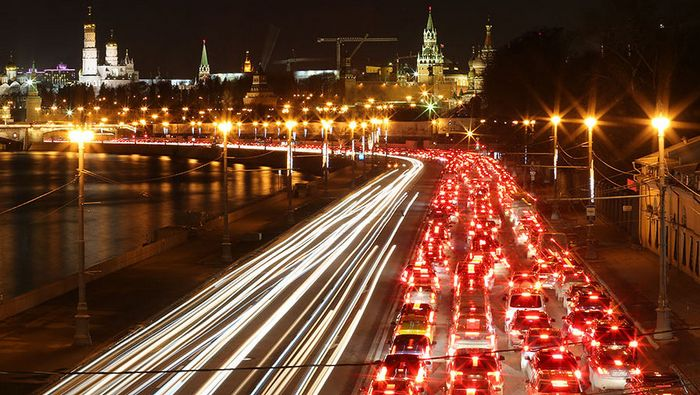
point(163, 35)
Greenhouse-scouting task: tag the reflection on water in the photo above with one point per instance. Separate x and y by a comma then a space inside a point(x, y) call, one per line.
point(38, 241)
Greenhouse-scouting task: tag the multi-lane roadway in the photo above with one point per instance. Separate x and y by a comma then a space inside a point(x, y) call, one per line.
point(275, 323)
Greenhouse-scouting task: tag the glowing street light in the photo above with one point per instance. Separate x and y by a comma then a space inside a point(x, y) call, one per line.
point(82, 317)
point(590, 123)
point(226, 255)
point(556, 120)
point(663, 321)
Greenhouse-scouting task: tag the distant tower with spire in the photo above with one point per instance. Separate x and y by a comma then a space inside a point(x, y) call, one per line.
point(111, 51)
point(204, 70)
point(430, 60)
point(88, 74)
point(247, 64)
point(480, 61)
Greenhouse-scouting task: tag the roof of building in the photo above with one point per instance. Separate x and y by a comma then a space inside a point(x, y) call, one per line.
point(684, 153)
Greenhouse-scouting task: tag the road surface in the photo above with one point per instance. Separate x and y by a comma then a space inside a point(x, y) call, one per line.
point(309, 298)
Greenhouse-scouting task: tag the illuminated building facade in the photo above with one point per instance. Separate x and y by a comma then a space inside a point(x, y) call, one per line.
point(114, 72)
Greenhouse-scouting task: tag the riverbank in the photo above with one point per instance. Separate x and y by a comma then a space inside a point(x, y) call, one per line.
point(41, 338)
point(304, 162)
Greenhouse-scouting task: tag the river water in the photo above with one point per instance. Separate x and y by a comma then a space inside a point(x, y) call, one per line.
point(38, 241)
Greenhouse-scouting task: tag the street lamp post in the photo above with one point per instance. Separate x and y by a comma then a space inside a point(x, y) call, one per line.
point(526, 167)
point(352, 125)
point(226, 255)
point(470, 135)
point(82, 317)
point(555, 209)
point(363, 125)
point(663, 322)
point(373, 141)
point(591, 253)
point(386, 142)
point(290, 168)
point(325, 129)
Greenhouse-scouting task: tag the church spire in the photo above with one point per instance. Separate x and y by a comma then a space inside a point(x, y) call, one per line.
point(488, 40)
point(88, 20)
point(204, 69)
point(429, 25)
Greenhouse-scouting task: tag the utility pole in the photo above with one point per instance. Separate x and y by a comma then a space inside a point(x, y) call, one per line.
point(82, 317)
point(590, 208)
point(290, 168)
point(663, 322)
point(555, 210)
point(226, 254)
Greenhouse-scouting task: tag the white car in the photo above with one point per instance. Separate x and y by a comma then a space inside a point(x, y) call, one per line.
point(610, 368)
point(523, 299)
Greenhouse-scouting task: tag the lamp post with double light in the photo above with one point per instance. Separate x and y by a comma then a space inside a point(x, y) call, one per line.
point(82, 317)
point(226, 254)
point(663, 321)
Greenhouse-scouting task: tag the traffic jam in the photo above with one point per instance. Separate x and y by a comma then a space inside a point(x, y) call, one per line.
point(494, 302)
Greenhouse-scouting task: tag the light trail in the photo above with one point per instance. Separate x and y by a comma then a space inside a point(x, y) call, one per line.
point(300, 300)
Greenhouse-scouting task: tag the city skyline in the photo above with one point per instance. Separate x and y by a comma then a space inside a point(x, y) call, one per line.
point(56, 33)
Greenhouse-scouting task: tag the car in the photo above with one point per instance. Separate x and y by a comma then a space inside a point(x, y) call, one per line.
point(553, 382)
point(411, 344)
point(611, 335)
point(420, 266)
point(523, 280)
point(405, 367)
point(657, 383)
point(610, 368)
point(392, 387)
point(473, 331)
point(473, 274)
point(478, 367)
point(522, 322)
point(421, 295)
point(539, 339)
point(472, 385)
point(575, 324)
point(549, 359)
point(580, 288)
point(569, 276)
point(423, 277)
point(466, 307)
point(523, 299)
point(414, 324)
point(592, 300)
point(424, 309)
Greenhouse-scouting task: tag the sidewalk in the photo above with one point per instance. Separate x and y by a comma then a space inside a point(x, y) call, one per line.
point(41, 338)
point(632, 274)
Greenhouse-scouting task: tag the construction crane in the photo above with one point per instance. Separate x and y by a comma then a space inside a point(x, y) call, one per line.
point(339, 41)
